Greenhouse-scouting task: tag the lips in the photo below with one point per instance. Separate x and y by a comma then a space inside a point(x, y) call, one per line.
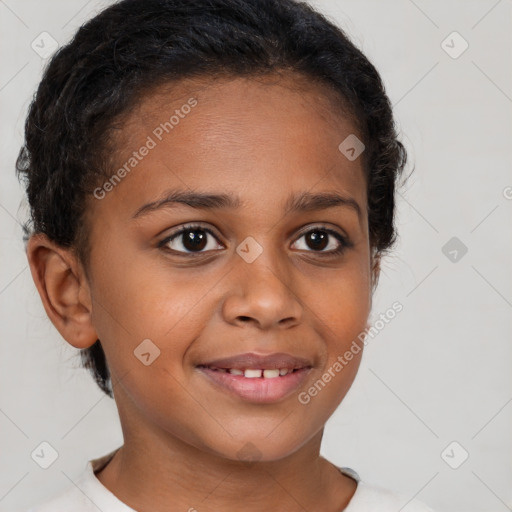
point(258, 379)
point(252, 361)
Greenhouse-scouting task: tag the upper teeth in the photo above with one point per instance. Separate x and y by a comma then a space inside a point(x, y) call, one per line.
point(251, 373)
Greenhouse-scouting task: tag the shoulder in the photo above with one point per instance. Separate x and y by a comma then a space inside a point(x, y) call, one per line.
point(86, 494)
point(373, 498)
point(70, 498)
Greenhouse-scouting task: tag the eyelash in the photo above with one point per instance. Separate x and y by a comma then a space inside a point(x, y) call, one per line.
point(344, 243)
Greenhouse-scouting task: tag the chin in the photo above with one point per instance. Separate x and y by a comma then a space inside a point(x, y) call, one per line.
point(251, 451)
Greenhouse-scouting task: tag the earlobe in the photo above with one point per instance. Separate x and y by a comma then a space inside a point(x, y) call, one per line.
point(63, 289)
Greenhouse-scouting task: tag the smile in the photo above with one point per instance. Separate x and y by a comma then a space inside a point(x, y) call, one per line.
point(249, 373)
point(262, 386)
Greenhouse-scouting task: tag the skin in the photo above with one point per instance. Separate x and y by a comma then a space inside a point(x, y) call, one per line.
point(260, 140)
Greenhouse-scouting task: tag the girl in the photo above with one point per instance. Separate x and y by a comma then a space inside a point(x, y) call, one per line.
point(211, 185)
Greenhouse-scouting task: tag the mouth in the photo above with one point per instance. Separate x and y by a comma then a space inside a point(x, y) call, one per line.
point(255, 378)
point(254, 373)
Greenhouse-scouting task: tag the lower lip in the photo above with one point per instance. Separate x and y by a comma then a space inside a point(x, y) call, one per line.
point(258, 389)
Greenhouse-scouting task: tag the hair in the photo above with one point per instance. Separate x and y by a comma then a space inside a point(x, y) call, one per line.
point(132, 47)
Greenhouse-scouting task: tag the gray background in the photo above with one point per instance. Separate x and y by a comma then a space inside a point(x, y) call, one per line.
point(439, 372)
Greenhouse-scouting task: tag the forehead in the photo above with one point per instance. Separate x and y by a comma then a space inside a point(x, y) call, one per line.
point(291, 88)
point(243, 133)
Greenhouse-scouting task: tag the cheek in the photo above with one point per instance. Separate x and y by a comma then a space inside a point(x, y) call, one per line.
point(341, 309)
point(342, 303)
point(341, 306)
point(140, 298)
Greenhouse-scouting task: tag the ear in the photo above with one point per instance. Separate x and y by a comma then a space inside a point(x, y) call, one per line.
point(64, 290)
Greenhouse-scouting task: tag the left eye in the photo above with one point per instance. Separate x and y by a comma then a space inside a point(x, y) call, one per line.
point(322, 240)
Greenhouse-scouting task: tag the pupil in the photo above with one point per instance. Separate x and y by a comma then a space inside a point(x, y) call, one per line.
point(317, 239)
point(194, 240)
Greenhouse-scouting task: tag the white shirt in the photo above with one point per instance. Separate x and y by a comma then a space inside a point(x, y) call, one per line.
point(90, 495)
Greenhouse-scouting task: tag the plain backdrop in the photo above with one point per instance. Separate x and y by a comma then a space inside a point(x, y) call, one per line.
point(434, 386)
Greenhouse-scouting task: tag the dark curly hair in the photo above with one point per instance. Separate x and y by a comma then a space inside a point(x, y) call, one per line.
point(136, 45)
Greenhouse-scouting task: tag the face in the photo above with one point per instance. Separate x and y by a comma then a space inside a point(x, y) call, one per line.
point(268, 266)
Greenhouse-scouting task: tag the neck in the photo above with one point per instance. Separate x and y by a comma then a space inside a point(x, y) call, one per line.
point(175, 476)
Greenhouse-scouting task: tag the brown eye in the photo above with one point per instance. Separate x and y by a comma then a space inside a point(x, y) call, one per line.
point(192, 239)
point(322, 240)
point(317, 240)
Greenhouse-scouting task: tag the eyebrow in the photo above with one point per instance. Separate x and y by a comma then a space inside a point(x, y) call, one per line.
point(301, 202)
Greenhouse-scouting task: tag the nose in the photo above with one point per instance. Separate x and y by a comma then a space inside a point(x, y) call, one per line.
point(262, 293)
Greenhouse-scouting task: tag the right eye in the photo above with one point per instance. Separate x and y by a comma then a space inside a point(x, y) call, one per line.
point(193, 239)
